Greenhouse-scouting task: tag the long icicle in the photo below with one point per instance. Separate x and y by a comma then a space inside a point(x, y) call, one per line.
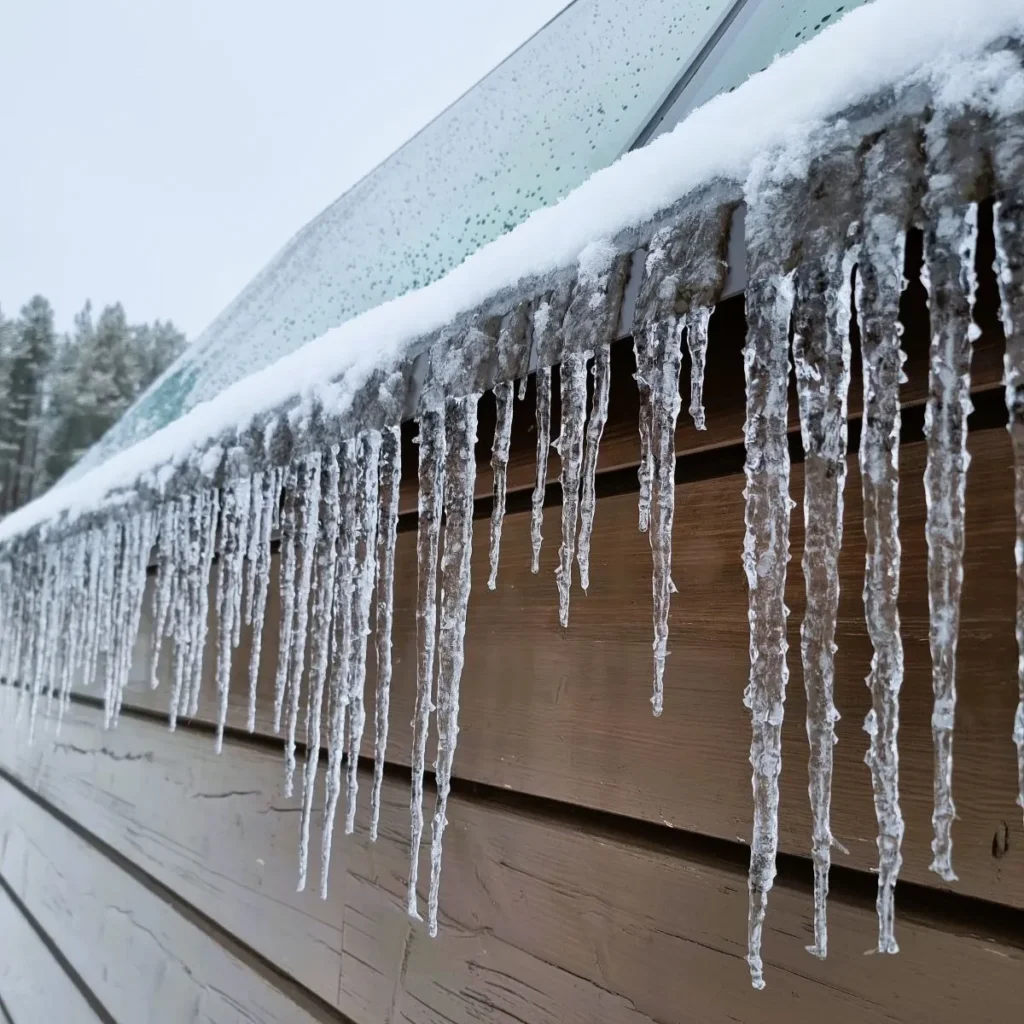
point(573, 377)
point(821, 360)
point(664, 348)
point(286, 589)
point(503, 399)
point(341, 644)
point(880, 282)
point(230, 567)
point(164, 593)
point(433, 447)
point(367, 512)
point(320, 643)
point(697, 325)
point(207, 541)
point(543, 450)
point(595, 431)
point(1009, 233)
point(460, 480)
point(390, 478)
point(305, 544)
point(645, 469)
point(765, 554)
point(950, 247)
point(270, 500)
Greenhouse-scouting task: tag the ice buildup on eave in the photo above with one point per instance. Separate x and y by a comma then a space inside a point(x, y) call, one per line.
point(905, 114)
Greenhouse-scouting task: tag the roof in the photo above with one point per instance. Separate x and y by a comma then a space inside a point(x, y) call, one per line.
point(569, 102)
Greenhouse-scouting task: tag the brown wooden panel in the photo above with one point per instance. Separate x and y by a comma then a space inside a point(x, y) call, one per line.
point(141, 959)
point(541, 921)
point(564, 713)
point(33, 984)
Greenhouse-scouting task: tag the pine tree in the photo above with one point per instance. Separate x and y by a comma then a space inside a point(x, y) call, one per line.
point(32, 342)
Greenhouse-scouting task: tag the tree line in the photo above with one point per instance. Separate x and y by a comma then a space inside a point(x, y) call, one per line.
point(60, 392)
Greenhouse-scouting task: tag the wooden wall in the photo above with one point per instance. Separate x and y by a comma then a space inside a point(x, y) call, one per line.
point(595, 861)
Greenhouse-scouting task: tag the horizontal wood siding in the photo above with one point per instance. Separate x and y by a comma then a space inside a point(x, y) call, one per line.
point(645, 932)
point(32, 980)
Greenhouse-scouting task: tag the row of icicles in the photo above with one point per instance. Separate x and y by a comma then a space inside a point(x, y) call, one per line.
point(78, 602)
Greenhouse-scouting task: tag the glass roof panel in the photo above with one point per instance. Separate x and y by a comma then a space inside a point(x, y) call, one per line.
point(563, 106)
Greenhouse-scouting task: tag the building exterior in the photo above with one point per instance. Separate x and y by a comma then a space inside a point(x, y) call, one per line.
point(599, 864)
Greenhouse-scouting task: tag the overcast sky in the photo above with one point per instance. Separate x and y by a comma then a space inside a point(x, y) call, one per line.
point(159, 152)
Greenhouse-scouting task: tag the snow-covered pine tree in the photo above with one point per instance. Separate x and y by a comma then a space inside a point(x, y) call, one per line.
point(32, 342)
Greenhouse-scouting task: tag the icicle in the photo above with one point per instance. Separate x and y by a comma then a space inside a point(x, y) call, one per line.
point(207, 540)
point(645, 469)
point(1009, 232)
point(164, 594)
point(949, 276)
point(308, 493)
point(286, 589)
point(821, 358)
point(244, 491)
point(142, 546)
point(270, 500)
point(182, 617)
point(766, 542)
point(684, 273)
point(697, 344)
point(522, 388)
point(543, 447)
point(665, 348)
point(595, 431)
point(881, 260)
point(390, 478)
point(341, 645)
point(323, 614)
point(367, 512)
point(460, 480)
point(433, 450)
point(234, 520)
point(573, 376)
point(499, 464)
point(76, 625)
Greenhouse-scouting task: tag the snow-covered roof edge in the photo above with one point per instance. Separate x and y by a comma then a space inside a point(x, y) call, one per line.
point(361, 374)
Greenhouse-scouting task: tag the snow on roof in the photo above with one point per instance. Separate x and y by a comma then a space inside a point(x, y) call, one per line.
point(882, 45)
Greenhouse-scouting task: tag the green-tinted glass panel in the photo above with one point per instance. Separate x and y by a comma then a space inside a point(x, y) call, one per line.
point(564, 105)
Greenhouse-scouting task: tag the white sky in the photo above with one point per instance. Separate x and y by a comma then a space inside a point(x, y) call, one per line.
point(159, 152)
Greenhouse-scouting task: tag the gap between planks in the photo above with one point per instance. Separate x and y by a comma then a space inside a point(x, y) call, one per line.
point(313, 1004)
point(938, 908)
point(55, 951)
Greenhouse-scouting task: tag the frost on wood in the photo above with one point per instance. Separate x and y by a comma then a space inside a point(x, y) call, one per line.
point(683, 278)
point(892, 176)
point(390, 478)
point(1008, 163)
point(459, 482)
point(766, 541)
point(821, 362)
point(950, 244)
point(325, 565)
point(433, 449)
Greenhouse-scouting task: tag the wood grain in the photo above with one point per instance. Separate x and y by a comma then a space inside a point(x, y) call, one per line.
point(564, 713)
point(541, 920)
point(142, 960)
point(32, 983)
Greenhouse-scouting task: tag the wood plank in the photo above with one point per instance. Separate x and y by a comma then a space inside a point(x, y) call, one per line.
point(142, 960)
point(541, 920)
point(564, 713)
point(33, 984)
